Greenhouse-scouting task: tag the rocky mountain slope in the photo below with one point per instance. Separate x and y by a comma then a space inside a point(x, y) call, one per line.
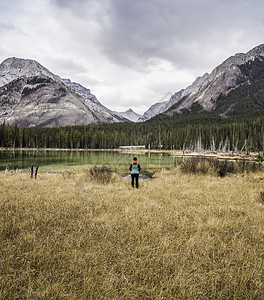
point(129, 114)
point(30, 95)
point(207, 91)
point(156, 108)
point(162, 106)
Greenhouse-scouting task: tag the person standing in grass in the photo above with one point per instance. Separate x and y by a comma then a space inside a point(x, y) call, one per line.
point(135, 169)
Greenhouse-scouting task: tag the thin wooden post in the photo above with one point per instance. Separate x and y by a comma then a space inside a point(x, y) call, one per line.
point(233, 148)
point(32, 170)
point(263, 145)
point(36, 172)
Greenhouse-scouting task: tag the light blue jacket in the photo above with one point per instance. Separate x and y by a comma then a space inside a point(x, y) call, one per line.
point(134, 168)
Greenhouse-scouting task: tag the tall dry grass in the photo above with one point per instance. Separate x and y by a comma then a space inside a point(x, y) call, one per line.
point(180, 236)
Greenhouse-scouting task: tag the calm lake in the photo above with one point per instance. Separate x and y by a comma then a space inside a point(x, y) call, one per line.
point(51, 161)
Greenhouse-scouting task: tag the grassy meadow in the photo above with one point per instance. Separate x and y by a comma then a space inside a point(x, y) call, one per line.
point(179, 236)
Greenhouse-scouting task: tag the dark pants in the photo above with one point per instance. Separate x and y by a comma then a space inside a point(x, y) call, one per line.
point(133, 176)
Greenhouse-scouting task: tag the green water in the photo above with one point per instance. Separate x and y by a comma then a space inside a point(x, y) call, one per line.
point(51, 161)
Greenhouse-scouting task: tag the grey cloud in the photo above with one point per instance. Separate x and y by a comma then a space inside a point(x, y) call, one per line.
point(68, 64)
point(7, 27)
point(85, 9)
point(178, 31)
point(10, 29)
point(137, 33)
point(71, 69)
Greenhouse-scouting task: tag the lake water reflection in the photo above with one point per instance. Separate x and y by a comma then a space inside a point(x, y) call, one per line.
point(62, 160)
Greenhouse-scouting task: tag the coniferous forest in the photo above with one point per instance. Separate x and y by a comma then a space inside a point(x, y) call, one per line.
point(158, 133)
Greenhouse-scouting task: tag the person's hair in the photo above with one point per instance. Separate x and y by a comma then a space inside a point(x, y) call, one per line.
point(134, 158)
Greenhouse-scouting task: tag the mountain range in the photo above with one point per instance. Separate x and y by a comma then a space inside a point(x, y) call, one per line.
point(214, 93)
point(30, 95)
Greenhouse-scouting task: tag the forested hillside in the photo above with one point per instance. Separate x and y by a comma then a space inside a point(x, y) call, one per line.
point(223, 135)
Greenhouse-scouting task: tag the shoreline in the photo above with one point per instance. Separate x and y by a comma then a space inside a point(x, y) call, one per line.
point(174, 153)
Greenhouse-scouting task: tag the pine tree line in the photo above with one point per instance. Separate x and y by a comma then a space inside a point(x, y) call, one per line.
point(226, 136)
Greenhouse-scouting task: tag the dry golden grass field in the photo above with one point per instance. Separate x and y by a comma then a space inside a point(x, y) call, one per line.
point(179, 236)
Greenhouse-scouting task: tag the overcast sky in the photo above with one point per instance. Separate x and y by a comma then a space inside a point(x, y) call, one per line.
point(130, 53)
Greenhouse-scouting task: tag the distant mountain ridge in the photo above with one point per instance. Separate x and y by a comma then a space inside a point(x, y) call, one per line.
point(161, 107)
point(156, 108)
point(128, 114)
point(31, 95)
point(205, 92)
